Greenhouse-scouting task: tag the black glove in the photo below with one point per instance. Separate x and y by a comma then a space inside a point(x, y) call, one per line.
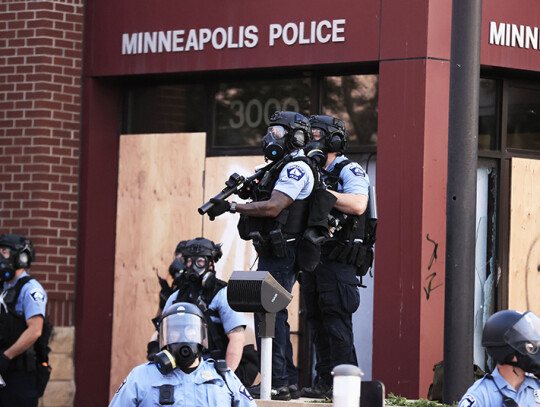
point(4, 363)
point(220, 207)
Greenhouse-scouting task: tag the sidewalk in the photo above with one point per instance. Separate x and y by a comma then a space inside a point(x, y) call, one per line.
point(292, 403)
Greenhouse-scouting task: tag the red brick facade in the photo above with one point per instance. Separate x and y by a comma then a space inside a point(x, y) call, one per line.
point(40, 71)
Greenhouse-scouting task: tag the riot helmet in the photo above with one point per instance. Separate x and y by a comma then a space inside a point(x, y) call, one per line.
point(330, 132)
point(18, 253)
point(510, 333)
point(287, 131)
point(183, 337)
point(200, 254)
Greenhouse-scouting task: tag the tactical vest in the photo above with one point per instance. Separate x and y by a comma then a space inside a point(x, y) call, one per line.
point(217, 338)
point(12, 326)
point(352, 226)
point(351, 242)
point(270, 235)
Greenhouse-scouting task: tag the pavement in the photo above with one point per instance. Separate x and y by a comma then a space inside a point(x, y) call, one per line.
point(294, 403)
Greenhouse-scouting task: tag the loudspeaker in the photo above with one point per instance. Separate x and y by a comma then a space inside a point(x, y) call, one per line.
point(256, 291)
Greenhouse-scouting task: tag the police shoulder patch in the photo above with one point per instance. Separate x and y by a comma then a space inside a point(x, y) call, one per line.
point(243, 391)
point(295, 172)
point(358, 171)
point(468, 400)
point(537, 396)
point(37, 295)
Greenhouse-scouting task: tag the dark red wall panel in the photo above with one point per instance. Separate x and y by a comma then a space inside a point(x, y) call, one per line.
point(97, 235)
point(399, 169)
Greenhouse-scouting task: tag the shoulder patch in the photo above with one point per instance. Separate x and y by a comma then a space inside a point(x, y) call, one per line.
point(468, 400)
point(37, 295)
point(358, 171)
point(295, 172)
point(122, 385)
point(537, 396)
point(243, 391)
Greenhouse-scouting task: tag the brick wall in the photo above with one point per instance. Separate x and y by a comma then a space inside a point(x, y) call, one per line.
point(40, 70)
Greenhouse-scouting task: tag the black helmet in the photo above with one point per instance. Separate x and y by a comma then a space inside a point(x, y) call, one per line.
point(22, 249)
point(287, 131)
point(203, 247)
point(183, 337)
point(510, 333)
point(333, 132)
point(180, 247)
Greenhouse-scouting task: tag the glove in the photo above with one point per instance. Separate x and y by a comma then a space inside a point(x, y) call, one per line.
point(4, 363)
point(220, 207)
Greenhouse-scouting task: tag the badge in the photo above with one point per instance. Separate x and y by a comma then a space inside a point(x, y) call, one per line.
point(358, 171)
point(207, 375)
point(245, 393)
point(37, 296)
point(537, 396)
point(295, 172)
point(468, 400)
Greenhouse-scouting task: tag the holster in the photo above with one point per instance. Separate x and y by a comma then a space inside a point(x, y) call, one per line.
point(278, 244)
point(261, 246)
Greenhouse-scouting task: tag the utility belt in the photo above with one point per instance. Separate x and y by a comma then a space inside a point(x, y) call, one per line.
point(25, 362)
point(274, 244)
point(346, 252)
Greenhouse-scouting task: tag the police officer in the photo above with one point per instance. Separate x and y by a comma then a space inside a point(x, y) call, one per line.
point(331, 290)
point(197, 284)
point(179, 376)
point(512, 339)
point(275, 219)
point(21, 321)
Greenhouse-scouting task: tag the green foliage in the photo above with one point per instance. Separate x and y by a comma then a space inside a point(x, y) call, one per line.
point(394, 400)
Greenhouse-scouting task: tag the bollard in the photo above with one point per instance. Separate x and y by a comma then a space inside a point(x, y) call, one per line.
point(347, 383)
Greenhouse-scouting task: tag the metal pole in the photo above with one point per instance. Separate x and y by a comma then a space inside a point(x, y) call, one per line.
point(461, 198)
point(266, 368)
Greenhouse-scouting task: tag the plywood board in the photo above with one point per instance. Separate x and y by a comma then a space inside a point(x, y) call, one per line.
point(160, 186)
point(524, 256)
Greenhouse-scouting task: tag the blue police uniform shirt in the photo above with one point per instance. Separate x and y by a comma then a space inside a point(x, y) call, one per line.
point(355, 179)
point(484, 393)
point(295, 179)
point(228, 317)
point(202, 387)
point(32, 299)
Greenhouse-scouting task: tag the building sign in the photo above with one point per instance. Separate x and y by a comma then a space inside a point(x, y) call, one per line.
point(510, 34)
point(180, 40)
point(165, 36)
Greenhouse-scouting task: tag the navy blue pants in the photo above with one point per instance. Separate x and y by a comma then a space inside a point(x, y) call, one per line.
point(283, 370)
point(20, 390)
point(331, 297)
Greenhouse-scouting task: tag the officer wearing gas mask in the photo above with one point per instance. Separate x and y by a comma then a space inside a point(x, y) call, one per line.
point(22, 312)
point(197, 283)
point(512, 339)
point(274, 220)
point(179, 376)
point(331, 290)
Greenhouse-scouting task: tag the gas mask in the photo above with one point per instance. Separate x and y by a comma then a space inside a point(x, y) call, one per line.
point(199, 271)
point(524, 337)
point(317, 151)
point(177, 268)
point(274, 143)
point(182, 338)
point(7, 266)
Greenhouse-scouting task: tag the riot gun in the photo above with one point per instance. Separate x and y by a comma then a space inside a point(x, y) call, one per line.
point(237, 184)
